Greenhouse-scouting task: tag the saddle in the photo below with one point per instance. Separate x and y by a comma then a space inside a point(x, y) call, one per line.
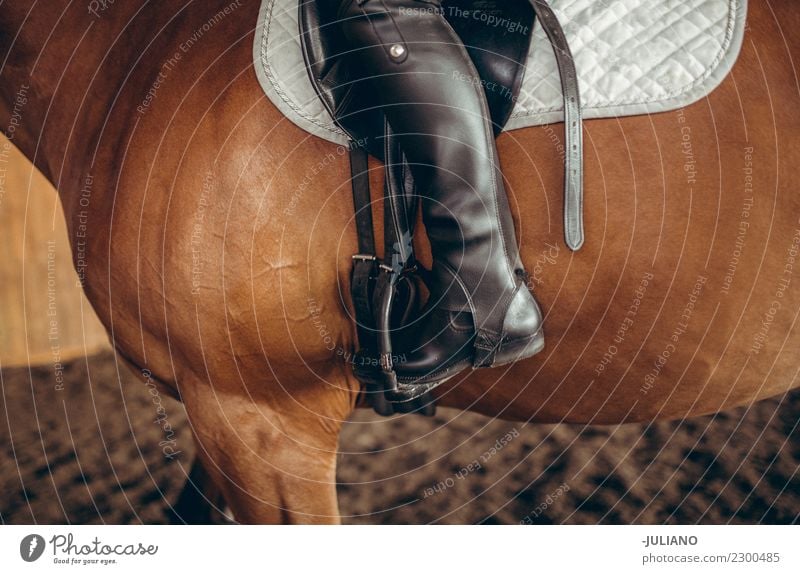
point(387, 292)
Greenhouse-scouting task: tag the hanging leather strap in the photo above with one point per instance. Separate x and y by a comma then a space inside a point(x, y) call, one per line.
point(573, 125)
point(359, 172)
point(365, 262)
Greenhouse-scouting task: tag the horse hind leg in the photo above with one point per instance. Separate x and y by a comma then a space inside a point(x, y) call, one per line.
point(200, 501)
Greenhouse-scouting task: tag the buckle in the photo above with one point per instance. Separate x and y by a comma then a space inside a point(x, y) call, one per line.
point(386, 363)
point(363, 257)
point(402, 273)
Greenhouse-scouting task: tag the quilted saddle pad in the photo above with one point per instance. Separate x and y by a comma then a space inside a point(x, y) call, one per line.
point(632, 57)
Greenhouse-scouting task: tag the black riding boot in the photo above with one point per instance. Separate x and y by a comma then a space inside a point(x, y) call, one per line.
point(480, 311)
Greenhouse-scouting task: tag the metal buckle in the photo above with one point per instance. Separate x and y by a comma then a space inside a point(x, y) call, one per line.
point(363, 257)
point(403, 272)
point(386, 363)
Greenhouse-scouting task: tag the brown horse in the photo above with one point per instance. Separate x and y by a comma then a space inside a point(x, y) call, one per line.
point(213, 239)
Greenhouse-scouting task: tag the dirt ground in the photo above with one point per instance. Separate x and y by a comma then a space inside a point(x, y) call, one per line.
point(90, 453)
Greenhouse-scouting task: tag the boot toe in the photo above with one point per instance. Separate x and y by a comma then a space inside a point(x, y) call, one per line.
point(524, 317)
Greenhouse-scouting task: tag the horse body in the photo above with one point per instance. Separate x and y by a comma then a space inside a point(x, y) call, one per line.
point(214, 240)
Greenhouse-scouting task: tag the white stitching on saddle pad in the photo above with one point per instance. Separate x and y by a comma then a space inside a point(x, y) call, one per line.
point(633, 57)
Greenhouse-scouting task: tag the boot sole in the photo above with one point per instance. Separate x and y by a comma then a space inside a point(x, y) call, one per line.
point(513, 351)
point(510, 352)
point(439, 376)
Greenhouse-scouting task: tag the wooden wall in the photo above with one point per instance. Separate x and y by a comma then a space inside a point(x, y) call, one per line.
point(44, 316)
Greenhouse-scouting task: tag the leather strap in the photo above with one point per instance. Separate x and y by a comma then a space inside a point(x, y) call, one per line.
point(359, 172)
point(365, 264)
point(573, 125)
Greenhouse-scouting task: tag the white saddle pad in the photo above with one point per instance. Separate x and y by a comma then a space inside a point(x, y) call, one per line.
point(632, 56)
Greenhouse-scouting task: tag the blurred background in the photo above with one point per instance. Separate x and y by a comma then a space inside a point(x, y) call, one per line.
point(79, 443)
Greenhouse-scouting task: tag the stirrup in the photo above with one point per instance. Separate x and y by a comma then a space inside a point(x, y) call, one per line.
point(385, 293)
